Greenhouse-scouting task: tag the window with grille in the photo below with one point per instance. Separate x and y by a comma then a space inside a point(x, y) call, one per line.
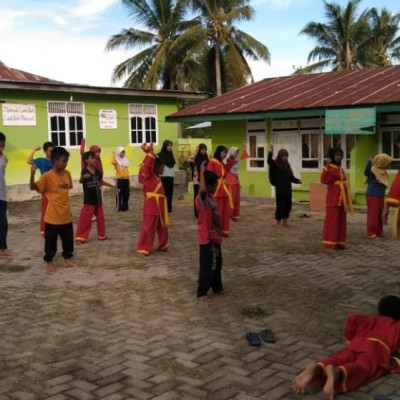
point(143, 124)
point(256, 135)
point(66, 123)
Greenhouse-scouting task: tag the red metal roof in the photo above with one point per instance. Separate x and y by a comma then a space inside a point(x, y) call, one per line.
point(7, 73)
point(367, 86)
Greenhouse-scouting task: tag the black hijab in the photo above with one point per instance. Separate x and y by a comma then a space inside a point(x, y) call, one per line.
point(284, 166)
point(200, 158)
point(218, 152)
point(167, 156)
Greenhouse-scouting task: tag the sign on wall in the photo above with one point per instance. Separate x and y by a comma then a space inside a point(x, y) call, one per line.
point(108, 119)
point(19, 114)
point(344, 121)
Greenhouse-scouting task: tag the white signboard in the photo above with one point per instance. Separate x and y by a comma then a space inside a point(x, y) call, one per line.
point(19, 114)
point(108, 119)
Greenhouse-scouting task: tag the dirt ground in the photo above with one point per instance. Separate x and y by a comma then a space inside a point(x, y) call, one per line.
point(123, 327)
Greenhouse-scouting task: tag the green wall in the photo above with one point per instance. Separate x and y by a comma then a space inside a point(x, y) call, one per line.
point(21, 140)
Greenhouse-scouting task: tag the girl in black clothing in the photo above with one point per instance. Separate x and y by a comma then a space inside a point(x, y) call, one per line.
point(195, 162)
point(281, 176)
point(167, 178)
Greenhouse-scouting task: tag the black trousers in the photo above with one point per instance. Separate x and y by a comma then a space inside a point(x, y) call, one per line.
point(210, 269)
point(283, 206)
point(196, 189)
point(3, 225)
point(122, 198)
point(168, 184)
point(51, 233)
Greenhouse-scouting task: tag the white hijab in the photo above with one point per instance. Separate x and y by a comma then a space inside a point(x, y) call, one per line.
point(235, 167)
point(122, 161)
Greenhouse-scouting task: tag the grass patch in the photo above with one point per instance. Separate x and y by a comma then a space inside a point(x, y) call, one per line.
point(175, 368)
point(253, 312)
point(12, 268)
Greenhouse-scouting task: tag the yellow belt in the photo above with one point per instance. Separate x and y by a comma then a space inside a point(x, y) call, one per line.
point(381, 342)
point(221, 182)
point(347, 201)
point(157, 196)
point(396, 222)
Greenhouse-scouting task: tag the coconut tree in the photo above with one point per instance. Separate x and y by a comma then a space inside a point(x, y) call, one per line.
point(219, 47)
point(384, 43)
point(341, 41)
point(157, 63)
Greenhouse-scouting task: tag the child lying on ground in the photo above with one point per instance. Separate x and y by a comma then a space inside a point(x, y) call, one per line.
point(372, 341)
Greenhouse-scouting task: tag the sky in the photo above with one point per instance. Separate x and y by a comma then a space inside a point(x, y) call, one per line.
point(65, 39)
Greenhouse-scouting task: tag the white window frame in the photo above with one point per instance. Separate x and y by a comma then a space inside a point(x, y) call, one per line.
point(259, 130)
point(393, 137)
point(343, 146)
point(142, 112)
point(66, 109)
point(320, 151)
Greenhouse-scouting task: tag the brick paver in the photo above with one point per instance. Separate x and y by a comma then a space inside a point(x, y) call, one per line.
point(121, 328)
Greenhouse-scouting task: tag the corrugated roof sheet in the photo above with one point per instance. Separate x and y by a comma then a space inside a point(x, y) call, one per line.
point(323, 90)
point(18, 75)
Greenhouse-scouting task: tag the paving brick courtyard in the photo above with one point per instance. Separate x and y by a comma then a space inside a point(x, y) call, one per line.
point(120, 327)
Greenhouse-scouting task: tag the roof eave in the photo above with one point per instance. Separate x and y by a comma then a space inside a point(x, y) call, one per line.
point(62, 87)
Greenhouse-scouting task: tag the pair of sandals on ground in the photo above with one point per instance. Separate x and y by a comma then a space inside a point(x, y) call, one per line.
point(255, 339)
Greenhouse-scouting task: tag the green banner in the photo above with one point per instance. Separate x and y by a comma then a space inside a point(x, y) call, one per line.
point(348, 121)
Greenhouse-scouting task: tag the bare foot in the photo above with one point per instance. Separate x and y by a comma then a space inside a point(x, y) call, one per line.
point(278, 225)
point(50, 269)
point(69, 263)
point(329, 388)
point(301, 381)
point(204, 299)
point(329, 250)
point(7, 252)
point(285, 223)
point(142, 255)
point(79, 242)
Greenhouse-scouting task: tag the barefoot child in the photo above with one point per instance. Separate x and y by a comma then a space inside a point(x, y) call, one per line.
point(208, 233)
point(200, 155)
point(377, 180)
point(223, 195)
point(44, 164)
point(121, 164)
point(3, 199)
point(371, 343)
point(155, 209)
point(338, 201)
point(55, 184)
point(281, 176)
point(92, 180)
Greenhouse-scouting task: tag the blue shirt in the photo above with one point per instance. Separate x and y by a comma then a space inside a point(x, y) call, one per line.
point(374, 188)
point(43, 164)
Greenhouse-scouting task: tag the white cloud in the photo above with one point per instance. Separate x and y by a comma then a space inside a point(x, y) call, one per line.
point(283, 67)
point(91, 8)
point(276, 3)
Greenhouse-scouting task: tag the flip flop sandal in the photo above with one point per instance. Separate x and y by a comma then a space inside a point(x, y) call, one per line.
point(267, 335)
point(304, 216)
point(384, 397)
point(253, 339)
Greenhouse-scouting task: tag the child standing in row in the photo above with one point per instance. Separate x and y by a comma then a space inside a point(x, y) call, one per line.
point(3, 199)
point(167, 178)
point(155, 210)
point(92, 180)
point(281, 176)
point(55, 184)
point(223, 195)
point(121, 164)
point(209, 236)
point(44, 164)
point(377, 180)
point(338, 201)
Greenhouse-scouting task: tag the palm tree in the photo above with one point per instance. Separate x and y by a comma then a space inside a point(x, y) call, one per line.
point(342, 41)
point(158, 63)
point(384, 45)
point(220, 49)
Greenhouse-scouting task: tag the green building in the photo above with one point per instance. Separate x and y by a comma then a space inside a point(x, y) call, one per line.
point(35, 110)
point(307, 114)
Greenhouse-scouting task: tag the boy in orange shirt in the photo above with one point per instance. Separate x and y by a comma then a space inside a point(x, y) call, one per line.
point(55, 184)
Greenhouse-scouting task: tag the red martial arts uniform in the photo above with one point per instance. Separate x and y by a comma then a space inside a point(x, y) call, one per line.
point(393, 199)
point(92, 205)
point(338, 201)
point(155, 212)
point(372, 342)
point(223, 195)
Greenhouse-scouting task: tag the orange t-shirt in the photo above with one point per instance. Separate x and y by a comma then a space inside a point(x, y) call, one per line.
point(56, 188)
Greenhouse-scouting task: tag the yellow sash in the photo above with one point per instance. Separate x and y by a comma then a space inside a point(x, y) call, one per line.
point(157, 196)
point(347, 200)
point(387, 348)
